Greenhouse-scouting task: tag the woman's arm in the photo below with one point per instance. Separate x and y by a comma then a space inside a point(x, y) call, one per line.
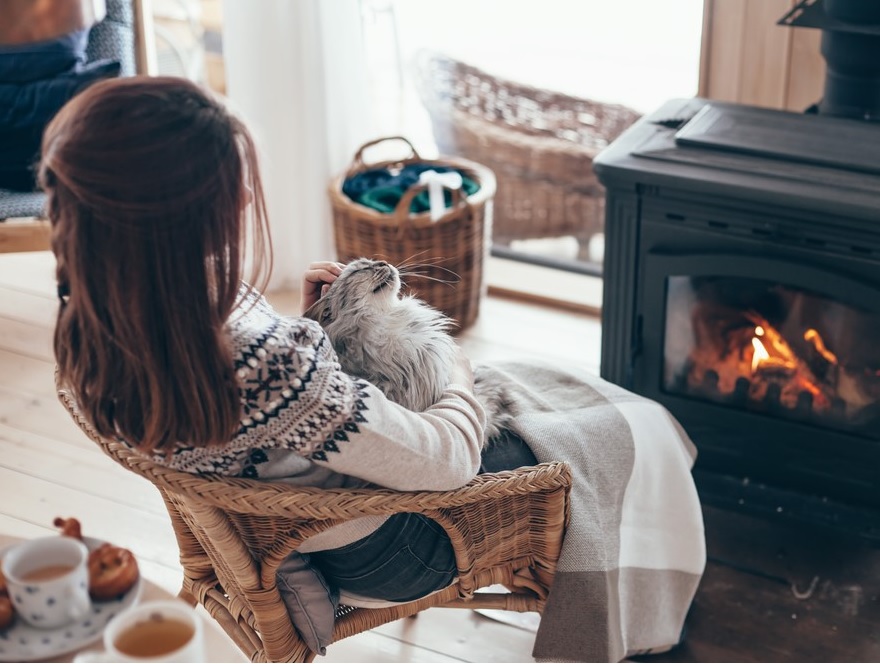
point(377, 440)
point(296, 397)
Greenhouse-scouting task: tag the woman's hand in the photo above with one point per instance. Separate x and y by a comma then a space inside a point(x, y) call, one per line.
point(317, 280)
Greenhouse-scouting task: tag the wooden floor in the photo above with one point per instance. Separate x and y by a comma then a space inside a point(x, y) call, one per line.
point(770, 593)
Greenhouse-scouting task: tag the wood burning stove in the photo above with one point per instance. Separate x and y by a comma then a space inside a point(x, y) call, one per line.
point(742, 291)
point(742, 282)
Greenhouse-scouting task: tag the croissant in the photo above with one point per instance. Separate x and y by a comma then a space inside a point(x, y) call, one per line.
point(112, 572)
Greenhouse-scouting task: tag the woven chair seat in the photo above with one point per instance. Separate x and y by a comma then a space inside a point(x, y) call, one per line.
point(506, 528)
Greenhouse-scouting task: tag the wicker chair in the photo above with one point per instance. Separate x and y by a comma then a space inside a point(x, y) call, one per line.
point(539, 143)
point(23, 226)
point(506, 528)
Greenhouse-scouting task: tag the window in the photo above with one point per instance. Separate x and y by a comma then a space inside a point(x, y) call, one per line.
point(560, 79)
point(522, 87)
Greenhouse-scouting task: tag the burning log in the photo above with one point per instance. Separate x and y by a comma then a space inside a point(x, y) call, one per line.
point(773, 395)
point(741, 390)
point(735, 355)
point(749, 360)
point(774, 359)
point(775, 368)
point(804, 403)
point(710, 381)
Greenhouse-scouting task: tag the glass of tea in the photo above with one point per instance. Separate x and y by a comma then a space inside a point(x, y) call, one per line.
point(48, 580)
point(155, 631)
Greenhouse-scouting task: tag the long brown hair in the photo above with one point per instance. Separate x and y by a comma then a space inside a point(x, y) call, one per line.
point(149, 182)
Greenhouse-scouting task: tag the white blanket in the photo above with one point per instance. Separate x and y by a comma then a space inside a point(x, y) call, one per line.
point(634, 551)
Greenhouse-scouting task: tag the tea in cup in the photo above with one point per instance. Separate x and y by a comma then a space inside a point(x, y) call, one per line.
point(156, 631)
point(48, 580)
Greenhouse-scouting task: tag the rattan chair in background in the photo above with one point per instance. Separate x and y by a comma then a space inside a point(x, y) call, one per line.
point(506, 528)
point(124, 34)
point(539, 143)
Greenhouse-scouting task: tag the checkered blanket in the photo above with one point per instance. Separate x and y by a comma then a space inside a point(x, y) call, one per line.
point(634, 551)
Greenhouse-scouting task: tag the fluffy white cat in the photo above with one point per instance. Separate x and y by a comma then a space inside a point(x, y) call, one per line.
point(397, 342)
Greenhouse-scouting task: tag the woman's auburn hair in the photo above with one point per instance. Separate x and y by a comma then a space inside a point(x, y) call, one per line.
point(154, 193)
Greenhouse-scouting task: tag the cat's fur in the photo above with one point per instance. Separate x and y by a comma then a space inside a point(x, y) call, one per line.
point(397, 342)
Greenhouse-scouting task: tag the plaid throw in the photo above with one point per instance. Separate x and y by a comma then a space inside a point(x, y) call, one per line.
point(634, 551)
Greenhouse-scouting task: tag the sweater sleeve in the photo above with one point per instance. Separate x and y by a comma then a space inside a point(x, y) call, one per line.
point(297, 398)
point(380, 441)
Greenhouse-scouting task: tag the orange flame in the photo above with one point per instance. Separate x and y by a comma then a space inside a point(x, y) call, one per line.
point(760, 354)
point(813, 337)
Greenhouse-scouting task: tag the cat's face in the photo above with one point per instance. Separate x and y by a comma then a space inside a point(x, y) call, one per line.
point(364, 285)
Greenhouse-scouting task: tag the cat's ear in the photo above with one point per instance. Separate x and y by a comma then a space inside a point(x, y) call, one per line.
point(319, 311)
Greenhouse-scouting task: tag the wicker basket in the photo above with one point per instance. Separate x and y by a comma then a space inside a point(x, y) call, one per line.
point(449, 253)
point(540, 144)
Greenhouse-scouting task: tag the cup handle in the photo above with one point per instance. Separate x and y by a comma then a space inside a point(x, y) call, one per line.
point(91, 656)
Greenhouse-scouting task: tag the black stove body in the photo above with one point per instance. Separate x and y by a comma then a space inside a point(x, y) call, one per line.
point(742, 291)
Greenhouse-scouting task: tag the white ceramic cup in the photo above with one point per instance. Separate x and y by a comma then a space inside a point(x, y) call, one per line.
point(48, 580)
point(152, 619)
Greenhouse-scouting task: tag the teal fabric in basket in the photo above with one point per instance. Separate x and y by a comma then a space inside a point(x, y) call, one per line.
point(381, 189)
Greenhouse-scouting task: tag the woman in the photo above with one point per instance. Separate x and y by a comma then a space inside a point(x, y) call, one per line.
point(155, 198)
point(156, 205)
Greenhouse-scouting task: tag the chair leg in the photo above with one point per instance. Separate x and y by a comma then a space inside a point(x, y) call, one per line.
point(187, 597)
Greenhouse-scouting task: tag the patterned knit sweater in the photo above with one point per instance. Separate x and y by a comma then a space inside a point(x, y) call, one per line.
point(306, 422)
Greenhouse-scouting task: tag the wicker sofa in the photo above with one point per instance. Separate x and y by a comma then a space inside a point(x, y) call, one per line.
point(539, 143)
point(112, 38)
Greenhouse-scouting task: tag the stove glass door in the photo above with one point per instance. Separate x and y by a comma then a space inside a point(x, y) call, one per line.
point(772, 348)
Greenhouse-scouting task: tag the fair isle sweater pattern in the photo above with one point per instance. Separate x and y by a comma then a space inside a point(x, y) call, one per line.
point(293, 396)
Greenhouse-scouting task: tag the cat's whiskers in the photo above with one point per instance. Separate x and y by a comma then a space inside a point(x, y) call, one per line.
point(427, 277)
point(434, 263)
point(413, 270)
point(407, 262)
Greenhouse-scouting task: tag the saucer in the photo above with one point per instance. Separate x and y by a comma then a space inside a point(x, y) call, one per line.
point(22, 642)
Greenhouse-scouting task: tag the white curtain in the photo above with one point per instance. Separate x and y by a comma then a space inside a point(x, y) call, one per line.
point(296, 72)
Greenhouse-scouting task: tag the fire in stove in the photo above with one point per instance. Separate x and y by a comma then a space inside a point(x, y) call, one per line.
point(722, 351)
point(768, 369)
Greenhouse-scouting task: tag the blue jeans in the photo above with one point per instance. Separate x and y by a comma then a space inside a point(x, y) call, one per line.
point(410, 555)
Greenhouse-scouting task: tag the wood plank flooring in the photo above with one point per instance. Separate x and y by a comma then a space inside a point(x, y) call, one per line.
point(772, 592)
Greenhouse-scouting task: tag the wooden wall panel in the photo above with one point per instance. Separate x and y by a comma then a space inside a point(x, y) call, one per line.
point(722, 49)
point(807, 70)
point(765, 53)
point(747, 58)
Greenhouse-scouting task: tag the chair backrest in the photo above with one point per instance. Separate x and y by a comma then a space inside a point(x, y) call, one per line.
point(506, 528)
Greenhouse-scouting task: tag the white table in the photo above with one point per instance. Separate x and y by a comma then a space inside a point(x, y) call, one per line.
point(219, 647)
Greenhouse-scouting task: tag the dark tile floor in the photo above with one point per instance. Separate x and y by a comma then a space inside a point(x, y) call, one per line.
point(780, 592)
